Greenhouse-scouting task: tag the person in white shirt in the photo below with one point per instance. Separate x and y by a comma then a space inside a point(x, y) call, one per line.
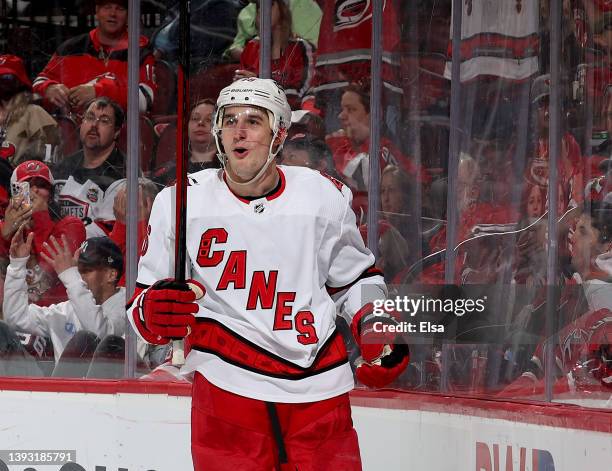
point(95, 302)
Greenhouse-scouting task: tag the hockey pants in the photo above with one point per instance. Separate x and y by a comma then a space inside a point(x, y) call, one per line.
point(236, 433)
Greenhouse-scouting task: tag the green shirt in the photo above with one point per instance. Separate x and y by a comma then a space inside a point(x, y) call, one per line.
point(306, 18)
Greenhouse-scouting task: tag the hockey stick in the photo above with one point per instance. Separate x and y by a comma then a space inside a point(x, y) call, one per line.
point(180, 245)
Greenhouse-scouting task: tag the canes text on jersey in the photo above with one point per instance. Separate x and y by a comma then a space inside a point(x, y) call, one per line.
point(262, 287)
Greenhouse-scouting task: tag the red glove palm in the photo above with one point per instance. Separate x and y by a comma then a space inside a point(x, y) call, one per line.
point(168, 308)
point(383, 356)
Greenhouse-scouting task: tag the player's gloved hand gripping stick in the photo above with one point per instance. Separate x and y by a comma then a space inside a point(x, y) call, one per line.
point(169, 307)
point(383, 354)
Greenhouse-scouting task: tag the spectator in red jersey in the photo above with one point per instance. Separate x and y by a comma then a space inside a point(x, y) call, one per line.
point(344, 56)
point(41, 217)
point(583, 349)
point(476, 217)
point(351, 145)
point(292, 57)
point(95, 65)
point(571, 168)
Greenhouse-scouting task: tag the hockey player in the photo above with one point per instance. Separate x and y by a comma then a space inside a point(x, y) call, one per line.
point(274, 253)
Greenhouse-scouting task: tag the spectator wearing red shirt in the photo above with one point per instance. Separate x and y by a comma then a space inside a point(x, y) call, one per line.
point(350, 145)
point(95, 64)
point(40, 216)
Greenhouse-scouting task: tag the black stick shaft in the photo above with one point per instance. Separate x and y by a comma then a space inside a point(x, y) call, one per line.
point(182, 157)
point(182, 139)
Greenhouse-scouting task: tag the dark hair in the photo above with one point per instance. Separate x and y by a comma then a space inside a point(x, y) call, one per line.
point(317, 149)
point(103, 102)
point(361, 88)
point(204, 101)
point(601, 218)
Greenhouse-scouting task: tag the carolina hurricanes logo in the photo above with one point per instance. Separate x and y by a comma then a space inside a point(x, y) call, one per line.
point(7, 150)
point(351, 13)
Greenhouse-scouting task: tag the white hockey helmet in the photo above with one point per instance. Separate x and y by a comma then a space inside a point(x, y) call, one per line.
point(263, 93)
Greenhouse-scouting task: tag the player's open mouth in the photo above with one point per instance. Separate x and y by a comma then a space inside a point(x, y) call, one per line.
point(241, 151)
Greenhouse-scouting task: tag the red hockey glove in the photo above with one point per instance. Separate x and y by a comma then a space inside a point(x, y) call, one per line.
point(169, 307)
point(383, 356)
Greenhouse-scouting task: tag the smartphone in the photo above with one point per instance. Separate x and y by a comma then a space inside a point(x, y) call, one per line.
point(23, 189)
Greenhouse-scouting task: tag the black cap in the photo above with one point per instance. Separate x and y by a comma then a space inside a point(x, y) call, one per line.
point(101, 252)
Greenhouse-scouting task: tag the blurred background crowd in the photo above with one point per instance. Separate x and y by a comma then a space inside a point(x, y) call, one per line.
point(463, 201)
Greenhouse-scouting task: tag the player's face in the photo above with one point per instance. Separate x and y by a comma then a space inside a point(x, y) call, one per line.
point(98, 128)
point(200, 124)
point(246, 137)
point(354, 118)
point(112, 19)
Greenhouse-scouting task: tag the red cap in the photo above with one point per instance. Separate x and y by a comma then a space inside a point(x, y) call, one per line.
point(31, 169)
point(13, 65)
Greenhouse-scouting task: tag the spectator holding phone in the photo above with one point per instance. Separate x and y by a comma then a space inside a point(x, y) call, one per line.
point(32, 206)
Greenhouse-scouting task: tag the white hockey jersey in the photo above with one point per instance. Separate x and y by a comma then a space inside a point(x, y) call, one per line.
point(275, 270)
point(88, 202)
point(60, 321)
point(498, 38)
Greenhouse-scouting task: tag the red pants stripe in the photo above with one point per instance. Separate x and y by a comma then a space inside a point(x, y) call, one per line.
point(234, 433)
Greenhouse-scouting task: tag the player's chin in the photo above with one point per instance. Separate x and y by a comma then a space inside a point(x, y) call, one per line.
point(238, 170)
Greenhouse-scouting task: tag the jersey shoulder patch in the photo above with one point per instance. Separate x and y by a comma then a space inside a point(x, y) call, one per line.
point(337, 183)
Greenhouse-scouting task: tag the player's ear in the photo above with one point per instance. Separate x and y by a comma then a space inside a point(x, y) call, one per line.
point(112, 276)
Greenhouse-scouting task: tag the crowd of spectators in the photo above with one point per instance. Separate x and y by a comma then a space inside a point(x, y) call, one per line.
point(320, 54)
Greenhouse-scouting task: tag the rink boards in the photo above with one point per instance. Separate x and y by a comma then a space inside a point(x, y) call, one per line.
point(130, 425)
